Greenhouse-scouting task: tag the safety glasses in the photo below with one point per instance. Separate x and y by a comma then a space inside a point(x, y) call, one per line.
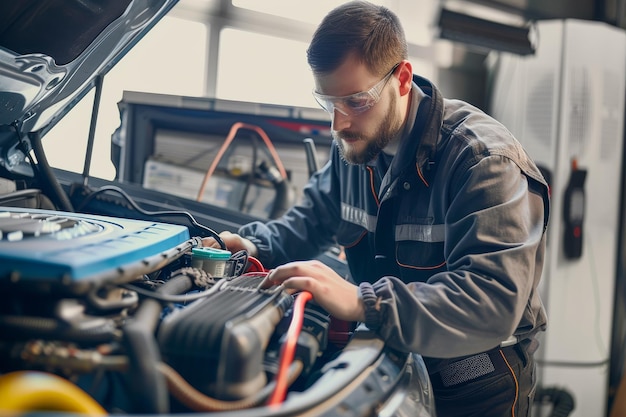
point(356, 103)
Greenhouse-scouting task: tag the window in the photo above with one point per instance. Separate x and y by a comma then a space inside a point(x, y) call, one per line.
point(170, 59)
point(265, 69)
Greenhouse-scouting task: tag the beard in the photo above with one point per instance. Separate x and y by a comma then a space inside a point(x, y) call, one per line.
point(374, 144)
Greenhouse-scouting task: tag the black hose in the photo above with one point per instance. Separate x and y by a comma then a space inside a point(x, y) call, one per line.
point(148, 387)
point(54, 329)
point(563, 402)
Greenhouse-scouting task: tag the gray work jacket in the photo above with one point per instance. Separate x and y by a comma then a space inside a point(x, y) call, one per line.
point(451, 236)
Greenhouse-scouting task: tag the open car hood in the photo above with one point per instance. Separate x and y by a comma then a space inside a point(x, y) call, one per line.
point(52, 52)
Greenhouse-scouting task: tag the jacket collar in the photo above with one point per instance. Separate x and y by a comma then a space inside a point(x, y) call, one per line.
point(428, 121)
point(420, 145)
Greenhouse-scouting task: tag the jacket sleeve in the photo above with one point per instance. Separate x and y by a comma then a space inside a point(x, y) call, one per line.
point(305, 230)
point(494, 250)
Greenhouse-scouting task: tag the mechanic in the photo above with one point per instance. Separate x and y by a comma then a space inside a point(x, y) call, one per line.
point(440, 211)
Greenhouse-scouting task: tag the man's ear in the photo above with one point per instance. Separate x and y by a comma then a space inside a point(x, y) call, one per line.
point(405, 76)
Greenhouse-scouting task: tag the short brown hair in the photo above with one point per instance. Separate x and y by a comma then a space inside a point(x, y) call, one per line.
point(373, 33)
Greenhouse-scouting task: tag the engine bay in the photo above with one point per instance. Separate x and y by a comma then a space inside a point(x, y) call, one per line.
point(104, 315)
point(117, 308)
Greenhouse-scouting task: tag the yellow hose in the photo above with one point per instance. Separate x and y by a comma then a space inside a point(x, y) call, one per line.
point(25, 391)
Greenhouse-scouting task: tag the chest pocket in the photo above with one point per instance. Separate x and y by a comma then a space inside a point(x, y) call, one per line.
point(355, 223)
point(420, 248)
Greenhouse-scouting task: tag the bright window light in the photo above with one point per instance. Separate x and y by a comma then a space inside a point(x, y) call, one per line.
point(169, 60)
point(265, 69)
point(417, 17)
point(310, 12)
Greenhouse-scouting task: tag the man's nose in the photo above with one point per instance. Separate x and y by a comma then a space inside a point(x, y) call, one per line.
point(340, 121)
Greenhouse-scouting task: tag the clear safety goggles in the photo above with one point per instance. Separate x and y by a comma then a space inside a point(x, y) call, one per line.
point(356, 103)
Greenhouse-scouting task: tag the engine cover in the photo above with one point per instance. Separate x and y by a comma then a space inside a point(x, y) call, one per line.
point(218, 343)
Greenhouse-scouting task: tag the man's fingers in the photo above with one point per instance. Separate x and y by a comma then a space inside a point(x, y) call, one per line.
point(288, 285)
point(267, 282)
point(287, 275)
point(298, 283)
point(210, 242)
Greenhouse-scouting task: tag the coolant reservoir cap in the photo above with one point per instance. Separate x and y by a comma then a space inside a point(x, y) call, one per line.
point(211, 253)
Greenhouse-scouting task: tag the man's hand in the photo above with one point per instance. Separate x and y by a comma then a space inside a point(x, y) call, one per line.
point(334, 294)
point(233, 242)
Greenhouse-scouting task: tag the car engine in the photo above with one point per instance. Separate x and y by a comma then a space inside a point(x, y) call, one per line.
point(121, 310)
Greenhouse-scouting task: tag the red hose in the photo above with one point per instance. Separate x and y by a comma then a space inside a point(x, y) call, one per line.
point(288, 350)
point(255, 265)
